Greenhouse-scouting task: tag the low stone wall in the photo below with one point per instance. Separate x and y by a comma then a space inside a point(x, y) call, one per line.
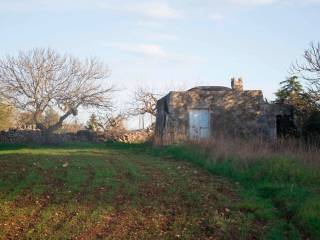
point(36, 137)
point(137, 137)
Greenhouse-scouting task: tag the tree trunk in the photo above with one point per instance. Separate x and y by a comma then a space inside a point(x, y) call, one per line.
point(50, 130)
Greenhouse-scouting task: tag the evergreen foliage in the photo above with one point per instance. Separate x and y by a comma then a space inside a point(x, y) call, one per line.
point(92, 123)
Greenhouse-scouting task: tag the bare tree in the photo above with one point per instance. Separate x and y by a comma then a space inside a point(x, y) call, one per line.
point(144, 101)
point(111, 122)
point(309, 69)
point(43, 79)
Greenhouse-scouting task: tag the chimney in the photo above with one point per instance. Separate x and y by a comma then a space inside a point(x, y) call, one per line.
point(237, 84)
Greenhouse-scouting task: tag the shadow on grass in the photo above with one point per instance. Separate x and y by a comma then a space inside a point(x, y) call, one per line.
point(8, 146)
point(77, 145)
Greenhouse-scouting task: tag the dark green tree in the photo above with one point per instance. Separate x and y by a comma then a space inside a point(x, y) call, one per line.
point(291, 92)
point(312, 126)
point(92, 123)
point(307, 114)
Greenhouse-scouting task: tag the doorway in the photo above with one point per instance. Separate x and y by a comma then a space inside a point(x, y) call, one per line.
point(199, 127)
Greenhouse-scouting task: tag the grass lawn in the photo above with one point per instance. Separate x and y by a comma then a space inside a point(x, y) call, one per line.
point(111, 191)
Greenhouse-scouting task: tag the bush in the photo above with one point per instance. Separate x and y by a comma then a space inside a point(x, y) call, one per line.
point(311, 127)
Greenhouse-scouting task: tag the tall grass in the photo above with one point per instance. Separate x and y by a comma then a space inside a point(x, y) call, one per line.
point(247, 151)
point(280, 180)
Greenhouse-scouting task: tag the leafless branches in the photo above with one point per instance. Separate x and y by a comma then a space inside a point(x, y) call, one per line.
point(41, 78)
point(310, 71)
point(310, 68)
point(144, 101)
point(110, 122)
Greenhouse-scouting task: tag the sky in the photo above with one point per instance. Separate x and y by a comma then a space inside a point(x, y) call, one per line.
point(167, 45)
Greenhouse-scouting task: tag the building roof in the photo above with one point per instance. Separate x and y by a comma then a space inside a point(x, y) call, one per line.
point(209, 88)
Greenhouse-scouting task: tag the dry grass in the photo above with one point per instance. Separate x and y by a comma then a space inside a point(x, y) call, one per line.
point(253, 149)
point(279, 180)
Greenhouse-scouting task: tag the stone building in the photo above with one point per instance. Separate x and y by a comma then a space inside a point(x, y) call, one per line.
point(208, 111)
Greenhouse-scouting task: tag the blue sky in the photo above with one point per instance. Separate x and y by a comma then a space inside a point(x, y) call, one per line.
point(172, 44)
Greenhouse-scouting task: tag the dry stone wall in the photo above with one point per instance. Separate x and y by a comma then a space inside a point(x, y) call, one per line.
point(36, 137)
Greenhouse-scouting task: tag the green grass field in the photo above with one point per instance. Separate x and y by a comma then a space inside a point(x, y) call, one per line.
point(114, 191)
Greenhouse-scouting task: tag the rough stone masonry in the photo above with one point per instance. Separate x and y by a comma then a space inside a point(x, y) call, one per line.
point(208, 111)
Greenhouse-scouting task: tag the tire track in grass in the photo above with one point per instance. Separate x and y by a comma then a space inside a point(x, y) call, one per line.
point(97, 172)
point(153, 181)
point(113, 184)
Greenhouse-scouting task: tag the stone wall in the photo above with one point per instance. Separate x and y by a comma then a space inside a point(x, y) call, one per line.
point(138, 136)
point(134, 136)
point(36, 137)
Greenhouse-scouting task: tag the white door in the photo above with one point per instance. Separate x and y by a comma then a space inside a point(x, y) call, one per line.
point(199, 123)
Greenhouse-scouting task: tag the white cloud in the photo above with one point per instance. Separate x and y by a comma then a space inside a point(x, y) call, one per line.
point(253, 2)
point(149, 50)
point(149, 24)
point(220, 10)
point(149, 11)
point(217, 17)
point(152, 51)
point(161, 37)
point(157, 9)
point(154, 10)
point(40, 5)
point(268, 2)
point(149, 8)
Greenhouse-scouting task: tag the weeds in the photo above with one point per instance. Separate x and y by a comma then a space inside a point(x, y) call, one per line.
point(280, 181)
